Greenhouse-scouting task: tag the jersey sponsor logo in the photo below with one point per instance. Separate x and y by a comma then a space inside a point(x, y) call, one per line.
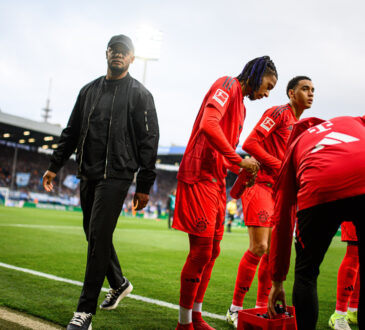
point(267, 124)
point(334, 138)
point(221, 97)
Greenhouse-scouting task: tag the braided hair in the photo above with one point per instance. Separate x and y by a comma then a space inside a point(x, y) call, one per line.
point(255, 70)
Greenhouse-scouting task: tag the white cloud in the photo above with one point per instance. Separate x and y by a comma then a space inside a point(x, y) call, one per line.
point(202, 40)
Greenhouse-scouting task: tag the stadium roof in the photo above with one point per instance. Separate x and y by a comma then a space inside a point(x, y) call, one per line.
point(21, 131)
point(42, 136)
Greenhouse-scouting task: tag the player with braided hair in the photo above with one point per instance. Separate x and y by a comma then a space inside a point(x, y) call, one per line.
point(201, 193)
point(254, 71)
point(267, 143)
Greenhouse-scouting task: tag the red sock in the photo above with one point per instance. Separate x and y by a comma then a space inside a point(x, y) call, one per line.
point(207, 272)
point(246, 273)
point(264, 278)
point(346, 277)
point(354, 299)
point(191, 274)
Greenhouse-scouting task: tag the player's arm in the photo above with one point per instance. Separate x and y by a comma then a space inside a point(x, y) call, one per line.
point(210, 127)
point(282, 234)
point(146, 130)
point(284, 217)
point(266, 126)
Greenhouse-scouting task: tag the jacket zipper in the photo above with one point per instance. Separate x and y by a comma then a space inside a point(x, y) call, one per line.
point(145, 120)
point(110, 124)
point(87, 128)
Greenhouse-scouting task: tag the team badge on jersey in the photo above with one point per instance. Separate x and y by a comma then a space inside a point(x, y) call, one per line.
point(221, 97)
point(201, 224)
point(263, 216)
point(267, 124)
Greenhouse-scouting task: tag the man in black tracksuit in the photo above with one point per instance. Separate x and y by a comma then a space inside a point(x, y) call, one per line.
point(114, 129)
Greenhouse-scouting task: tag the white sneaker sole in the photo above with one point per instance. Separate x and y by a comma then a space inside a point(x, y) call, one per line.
point(126, 292)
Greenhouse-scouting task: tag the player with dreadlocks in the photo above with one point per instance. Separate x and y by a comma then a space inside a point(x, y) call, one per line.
point(201, 192)
point(267, 144)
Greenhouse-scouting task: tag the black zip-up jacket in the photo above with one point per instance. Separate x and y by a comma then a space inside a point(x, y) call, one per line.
point(132, 140)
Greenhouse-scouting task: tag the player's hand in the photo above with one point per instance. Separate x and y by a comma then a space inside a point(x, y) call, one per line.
point(47, 180)
point(251, 165)
point(251, 182)
point(277, 293)
point(140, 201)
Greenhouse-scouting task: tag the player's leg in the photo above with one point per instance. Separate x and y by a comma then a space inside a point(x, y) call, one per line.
point(191, 275)
point(119, 285)
point(87, 195)
point(352, 310)
point(316, 227)
point(360, 231)
point(108, 203)
point(256, 217)
point(258, 237)
point(346, 278)
point(229, 222)
point(196, 213)
point(264, 279)
point(198, 321)
point(169, 219)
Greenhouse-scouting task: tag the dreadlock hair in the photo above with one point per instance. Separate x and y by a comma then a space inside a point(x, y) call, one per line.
point(294, 82)
point(255, 70)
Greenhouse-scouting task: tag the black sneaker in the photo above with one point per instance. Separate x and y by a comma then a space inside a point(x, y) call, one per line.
point(80, 321)
point(113, 297)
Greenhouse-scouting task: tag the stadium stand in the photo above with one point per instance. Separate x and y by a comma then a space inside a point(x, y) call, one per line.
point(25, 146)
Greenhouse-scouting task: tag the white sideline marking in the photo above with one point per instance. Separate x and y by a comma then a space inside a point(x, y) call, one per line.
point(38, 226)
point(133, 296)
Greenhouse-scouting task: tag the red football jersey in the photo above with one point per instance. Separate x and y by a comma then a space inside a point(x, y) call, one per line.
point(215, 136)
point(326, 162)
point(268, 140)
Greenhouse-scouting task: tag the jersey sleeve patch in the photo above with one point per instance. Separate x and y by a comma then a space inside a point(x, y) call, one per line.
point(220, 97)
point(267, 124)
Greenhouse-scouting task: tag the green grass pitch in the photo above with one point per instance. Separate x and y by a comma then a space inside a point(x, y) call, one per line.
point(151, 257)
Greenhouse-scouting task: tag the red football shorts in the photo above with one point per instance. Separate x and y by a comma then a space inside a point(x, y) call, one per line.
point(200, 209)
point(258, 206)
point(348, 232)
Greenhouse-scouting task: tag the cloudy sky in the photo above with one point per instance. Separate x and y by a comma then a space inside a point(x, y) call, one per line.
point(65, 41)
